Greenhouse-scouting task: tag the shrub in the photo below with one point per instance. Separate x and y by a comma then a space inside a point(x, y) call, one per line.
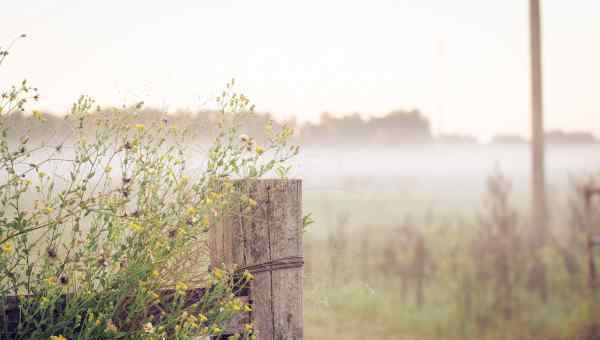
point(103, 232)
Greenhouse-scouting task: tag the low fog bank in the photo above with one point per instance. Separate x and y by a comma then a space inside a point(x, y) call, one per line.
point(448, 178)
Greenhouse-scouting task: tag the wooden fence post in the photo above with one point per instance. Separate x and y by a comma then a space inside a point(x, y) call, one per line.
point(268, 243)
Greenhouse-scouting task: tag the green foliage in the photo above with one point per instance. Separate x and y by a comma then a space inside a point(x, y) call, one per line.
point(103, 233)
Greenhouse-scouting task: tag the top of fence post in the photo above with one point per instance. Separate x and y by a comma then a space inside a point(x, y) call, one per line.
point(267, 241)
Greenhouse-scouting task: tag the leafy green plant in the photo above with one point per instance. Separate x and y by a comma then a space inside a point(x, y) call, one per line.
point(103, 233)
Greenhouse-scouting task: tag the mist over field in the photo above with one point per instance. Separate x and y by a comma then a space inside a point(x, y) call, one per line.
point(442, 178)
point(448, 154)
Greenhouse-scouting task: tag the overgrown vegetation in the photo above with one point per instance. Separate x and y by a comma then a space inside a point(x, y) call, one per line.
point(103, 227)
point(449, 276)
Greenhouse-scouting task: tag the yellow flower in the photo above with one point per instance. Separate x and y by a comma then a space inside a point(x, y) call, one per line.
point(98, 322)
point(216, 330)
point(218, 273)
point(191, 211)
point(51, 280)
point(260, 150)
point(148, 327)
point(108, 169)
point(181, 286)
point(155, 273)
point(37, 114)
point(139, 127)
point(202, 318)
point(247, 308)
point(57, 337)
point(7, 248)
point(48, 210)
point(135, 226)
point(248, 327)
point(248, 276)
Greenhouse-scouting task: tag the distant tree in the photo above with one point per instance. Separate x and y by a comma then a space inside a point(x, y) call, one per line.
point(576, 137)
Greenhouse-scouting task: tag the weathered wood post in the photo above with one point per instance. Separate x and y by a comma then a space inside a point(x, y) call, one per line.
point(267, 241)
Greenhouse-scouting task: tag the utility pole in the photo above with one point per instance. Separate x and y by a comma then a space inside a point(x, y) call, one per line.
point(539, 212)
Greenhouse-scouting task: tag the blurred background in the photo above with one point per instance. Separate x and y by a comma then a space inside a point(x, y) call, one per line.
point(415, 121)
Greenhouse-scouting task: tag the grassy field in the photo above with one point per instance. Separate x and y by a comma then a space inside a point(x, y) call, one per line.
point(373, 272)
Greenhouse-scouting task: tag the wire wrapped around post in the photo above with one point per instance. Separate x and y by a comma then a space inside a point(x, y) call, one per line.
point(267, 242)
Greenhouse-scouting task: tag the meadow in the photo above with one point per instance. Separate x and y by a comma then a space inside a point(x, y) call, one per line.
point(435, 244)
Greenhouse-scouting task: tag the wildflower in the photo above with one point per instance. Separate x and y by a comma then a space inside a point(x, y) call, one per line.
point(7, 248)
point(51, 280)
point(48, 210)
point(37, 114)
point(248, 276)
point(110, 326)
point(108, 169)
point(218, 273)
point(259, 150)
point(202, 317)
point(57, 337)
point(148, 327)
point(216, 330)
point(139, 127)
point(98, 322)
point(191, 211)
point(248, 327)
point(155, 273)
point(135, 226)
point(247, 308)
point(180, 287)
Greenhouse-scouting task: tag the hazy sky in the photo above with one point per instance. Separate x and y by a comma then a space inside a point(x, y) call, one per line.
point(465, 63)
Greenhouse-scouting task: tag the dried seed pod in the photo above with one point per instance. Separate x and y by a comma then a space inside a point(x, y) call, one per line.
point(51, 252)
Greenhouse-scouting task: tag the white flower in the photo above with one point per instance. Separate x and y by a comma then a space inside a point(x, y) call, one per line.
point(148, 327)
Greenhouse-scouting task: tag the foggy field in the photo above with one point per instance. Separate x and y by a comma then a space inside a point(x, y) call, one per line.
point(291, 170)
point(371, 206)
point(394, 181)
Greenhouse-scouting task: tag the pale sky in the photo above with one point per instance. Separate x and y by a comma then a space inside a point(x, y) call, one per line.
point(465, 63)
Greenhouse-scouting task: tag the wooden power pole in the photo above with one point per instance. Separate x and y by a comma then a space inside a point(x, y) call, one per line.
point(539, 212)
